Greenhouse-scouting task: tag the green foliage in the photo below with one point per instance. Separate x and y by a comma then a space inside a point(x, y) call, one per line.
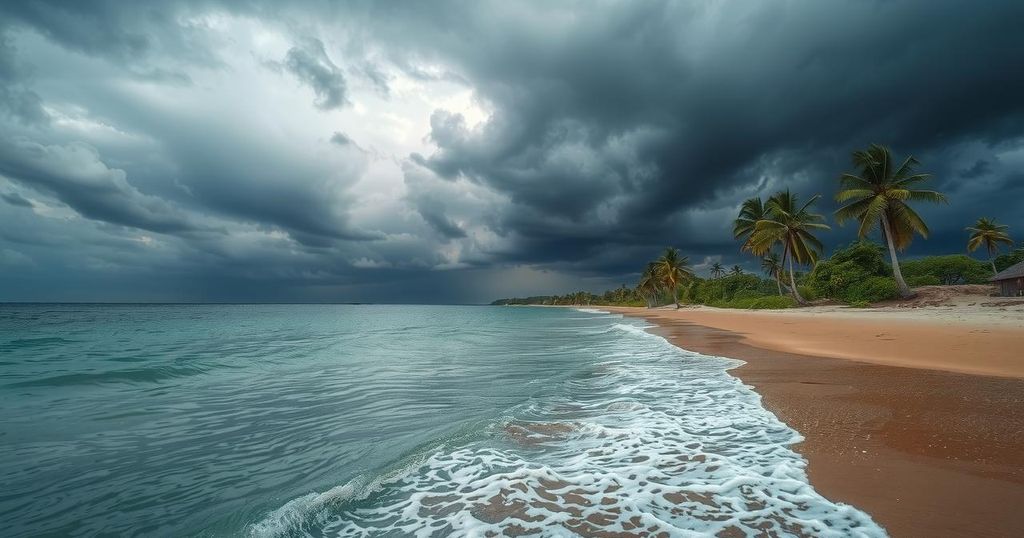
point(748, 294)
point(860, 304)
point(757, 303)
point(848, 266)
point(924, 280)
point(807, 292)
point(726, 288)
point(871, 290)
point(949, 270)
point(1006, 260)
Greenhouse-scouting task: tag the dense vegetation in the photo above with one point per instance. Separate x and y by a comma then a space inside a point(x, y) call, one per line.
point(780, 231)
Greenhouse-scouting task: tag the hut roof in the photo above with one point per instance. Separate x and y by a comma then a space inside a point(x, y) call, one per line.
point(1013, 271)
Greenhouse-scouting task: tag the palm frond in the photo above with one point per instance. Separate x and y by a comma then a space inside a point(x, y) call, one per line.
point(927, 196)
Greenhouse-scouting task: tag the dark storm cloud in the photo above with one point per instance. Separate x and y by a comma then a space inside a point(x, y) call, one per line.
point(16, 199)
point(613, 129)
point(120, 31)
point(77, 177)
point(311, 65)
point(644, 111)
point(17, 101)
point(978, 169)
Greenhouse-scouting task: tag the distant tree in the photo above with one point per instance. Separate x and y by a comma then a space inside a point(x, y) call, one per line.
point(879, 193)
point(988, 233)
point(791, 225)
point(717, 271)
point(673, 269)
point(772, 266)
point(736, 270)
point(1011, 258)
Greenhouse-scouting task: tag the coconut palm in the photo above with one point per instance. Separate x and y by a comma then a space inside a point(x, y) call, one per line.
point(650, 284)
point(772, 266)
point(751, 211)
point(880, 194)
point(672, 269)
point(989, 233)
point(736, 270)
point(717, 271)
point(790, 224)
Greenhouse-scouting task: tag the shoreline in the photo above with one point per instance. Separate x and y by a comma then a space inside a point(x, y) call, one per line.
point(924, 450)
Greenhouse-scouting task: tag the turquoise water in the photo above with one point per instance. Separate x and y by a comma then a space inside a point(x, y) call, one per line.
point(342, 420)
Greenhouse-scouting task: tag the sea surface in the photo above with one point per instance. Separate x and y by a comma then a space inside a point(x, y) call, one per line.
point(360, 420)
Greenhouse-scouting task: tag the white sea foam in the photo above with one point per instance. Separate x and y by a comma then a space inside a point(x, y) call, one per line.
point(591, 310)
point(664, 443)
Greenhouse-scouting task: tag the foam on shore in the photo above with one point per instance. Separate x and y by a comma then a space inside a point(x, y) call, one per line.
point(656, 442)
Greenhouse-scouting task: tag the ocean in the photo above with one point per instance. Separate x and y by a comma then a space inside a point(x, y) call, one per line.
point(374, 420)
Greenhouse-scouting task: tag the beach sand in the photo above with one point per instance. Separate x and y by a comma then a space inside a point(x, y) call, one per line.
point(892, 423)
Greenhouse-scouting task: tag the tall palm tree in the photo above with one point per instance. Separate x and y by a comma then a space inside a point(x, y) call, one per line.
point(717, 271)
point(736, 270)
point(672, 269)
point(989, 233)
point(879, 194)
point(791, 225)
point(751, 211)
point(650, 284)
point(772, 266)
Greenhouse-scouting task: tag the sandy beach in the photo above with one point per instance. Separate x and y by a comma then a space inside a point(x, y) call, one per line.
point(912, 414)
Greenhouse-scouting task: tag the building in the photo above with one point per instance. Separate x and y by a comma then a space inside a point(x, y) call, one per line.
point(1010, 281)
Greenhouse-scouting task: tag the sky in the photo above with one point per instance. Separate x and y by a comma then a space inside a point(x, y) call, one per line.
point(457, 152)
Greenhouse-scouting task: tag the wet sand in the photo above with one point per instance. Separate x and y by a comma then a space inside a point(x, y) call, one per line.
point(926, 452)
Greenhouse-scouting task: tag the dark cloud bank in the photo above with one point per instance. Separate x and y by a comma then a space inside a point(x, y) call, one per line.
point(615, 128)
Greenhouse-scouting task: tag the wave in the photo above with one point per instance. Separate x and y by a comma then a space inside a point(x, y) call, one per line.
point(591, 310)
point(315, 508)
point(133, 375)
point(662, 441)
point(637, 330)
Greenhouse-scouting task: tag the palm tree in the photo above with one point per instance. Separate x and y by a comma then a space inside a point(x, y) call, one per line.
point(672, 269)
point(989, 233)
point(772, 266)
point(736, 270)
point(880, 195)
point(650, 284)
point(751, 211)
point(791, 225)
point(717, 271)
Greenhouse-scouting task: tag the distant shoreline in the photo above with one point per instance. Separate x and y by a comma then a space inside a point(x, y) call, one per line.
point(926, 452)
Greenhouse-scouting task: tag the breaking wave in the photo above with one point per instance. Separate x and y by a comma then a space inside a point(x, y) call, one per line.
point(655, 441)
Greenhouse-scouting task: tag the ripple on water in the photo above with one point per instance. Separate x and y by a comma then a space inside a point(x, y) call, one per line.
point(665, 444)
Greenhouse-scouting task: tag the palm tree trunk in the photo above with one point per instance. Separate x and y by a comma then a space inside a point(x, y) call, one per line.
point(778, 283)
point(675, 295)
point(792, 282)
point(896, 273)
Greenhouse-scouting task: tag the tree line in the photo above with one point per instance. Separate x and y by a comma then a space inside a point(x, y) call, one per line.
point(782, 232)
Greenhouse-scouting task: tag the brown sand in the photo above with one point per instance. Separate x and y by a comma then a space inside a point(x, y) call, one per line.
point(925, 452)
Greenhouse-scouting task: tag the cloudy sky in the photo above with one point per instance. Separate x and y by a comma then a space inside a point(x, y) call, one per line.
point(460, 151)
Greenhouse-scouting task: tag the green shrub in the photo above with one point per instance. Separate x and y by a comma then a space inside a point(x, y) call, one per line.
point(764, 302)
point(923, 280)
point(1004, 261)
point(874, 289)
point(857, 262)
point(747, 294)
point(807, 292)
point(774, 301)
point(949, 270)
point(727, 287)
